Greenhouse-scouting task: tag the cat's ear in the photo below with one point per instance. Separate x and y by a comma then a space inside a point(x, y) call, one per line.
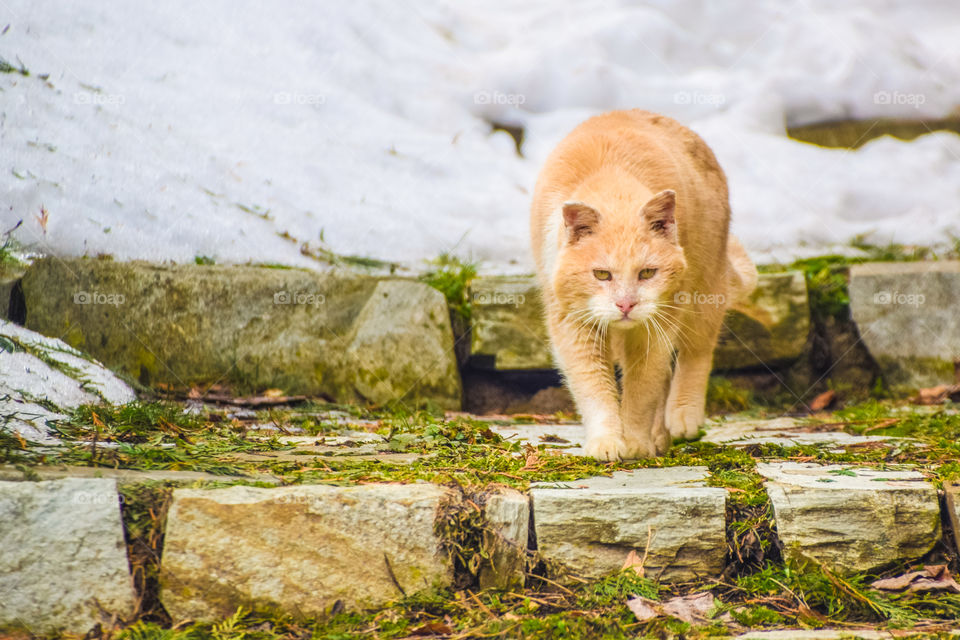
point(659, 214)
point(580, 220)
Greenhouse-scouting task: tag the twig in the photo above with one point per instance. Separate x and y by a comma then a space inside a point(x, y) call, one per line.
point(393, 576)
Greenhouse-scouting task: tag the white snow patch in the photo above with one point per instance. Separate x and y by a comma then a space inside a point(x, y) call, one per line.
point(173, 130)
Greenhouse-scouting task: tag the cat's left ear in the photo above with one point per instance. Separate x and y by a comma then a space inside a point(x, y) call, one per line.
point(659, 214)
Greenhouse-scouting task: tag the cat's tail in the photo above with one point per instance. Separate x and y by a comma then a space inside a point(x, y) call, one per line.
point(742, 274)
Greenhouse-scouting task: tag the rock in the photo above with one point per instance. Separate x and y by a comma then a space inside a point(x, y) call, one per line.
point(588, 527)
point(952, 495)
point(770, 328)
point(403, 347)
point(509, 334)
point(64, 562)
point(784, 431)
point(36, 372)
point(299, 548)
point(852, 523)
point(846, 633)
point(908, 314)
point(567, 437)
point(301, 331)
point(507, 515)
point(508, 330)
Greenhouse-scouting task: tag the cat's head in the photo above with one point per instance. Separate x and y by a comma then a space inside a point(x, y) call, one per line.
point(619, 263)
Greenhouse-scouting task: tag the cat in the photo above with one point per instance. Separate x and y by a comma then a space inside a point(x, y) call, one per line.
point(629, 230)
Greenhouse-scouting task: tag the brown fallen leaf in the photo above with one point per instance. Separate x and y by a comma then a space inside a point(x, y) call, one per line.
point(932, 578)
point(434, 628)
point(692, 608)
point(634, 562)
point(937, 394)
point(823, 400)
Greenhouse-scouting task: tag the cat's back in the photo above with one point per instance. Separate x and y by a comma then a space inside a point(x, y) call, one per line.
point(654, 149)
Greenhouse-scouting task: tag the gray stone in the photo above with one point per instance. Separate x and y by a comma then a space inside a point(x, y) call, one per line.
point(784, 431)
point(852, 523)
point(507, 516)
point(123, 476)
point(64, 561)
point(769, 328)
point(508, 331)
point(509, 334)
point(347, 336)
point(818, 634)
point(908, 314)
point(568, 438)
point(402, 346)
point(300, 548)
point(588, 527)
point(952, 495)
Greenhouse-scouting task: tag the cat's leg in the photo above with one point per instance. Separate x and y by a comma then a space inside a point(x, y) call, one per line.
point(697, 337)
point(584, 359)
point(645, 359)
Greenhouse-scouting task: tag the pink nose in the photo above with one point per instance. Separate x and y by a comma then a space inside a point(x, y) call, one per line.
point(626, 305)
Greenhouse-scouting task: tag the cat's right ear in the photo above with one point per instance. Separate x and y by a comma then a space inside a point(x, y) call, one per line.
point(580, 220)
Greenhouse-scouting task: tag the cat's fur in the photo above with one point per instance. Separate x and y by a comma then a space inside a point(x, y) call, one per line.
point(624, 192)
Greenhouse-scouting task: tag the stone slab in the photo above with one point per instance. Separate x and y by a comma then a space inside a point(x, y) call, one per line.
point(783, 431)
point(568, 438)
point(300, 548)
point(852, 518)
point(64, 560)
point(507, 516)
point(588, 527)
point(908, 314)
point(339, 334)
point(770, 328)
point(952, 499)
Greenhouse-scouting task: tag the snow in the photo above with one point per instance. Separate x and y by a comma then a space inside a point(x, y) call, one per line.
point(172, 130)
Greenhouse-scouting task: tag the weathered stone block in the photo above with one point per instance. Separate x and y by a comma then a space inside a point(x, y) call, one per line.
point(300, 548)
point(64, 561)
point(508, 330)
point(588, 527)
point(770, 328)
point(300, 331)
point(507, 515)
point(852, 519)
point(908, 314)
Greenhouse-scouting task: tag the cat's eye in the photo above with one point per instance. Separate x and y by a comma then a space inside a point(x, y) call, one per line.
point(602, 274)
point(646, 274)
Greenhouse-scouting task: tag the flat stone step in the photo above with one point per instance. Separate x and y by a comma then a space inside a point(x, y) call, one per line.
point(768, 329)
point(852, 519)
point(908, 314)
point(787, 432)
point(669, 516)
point(63, 565)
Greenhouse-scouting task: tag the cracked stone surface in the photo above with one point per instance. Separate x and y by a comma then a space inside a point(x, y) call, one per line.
point(852, 519)
point(63, 548)
point(784, 431)
point(507, 514)
point(588, 527)
point(300, 547)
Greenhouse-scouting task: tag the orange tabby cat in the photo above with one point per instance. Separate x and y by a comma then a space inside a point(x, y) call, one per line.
point(629, 227)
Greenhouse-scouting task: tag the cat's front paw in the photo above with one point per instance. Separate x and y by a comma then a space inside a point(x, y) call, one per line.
point(607, 447)
point(684, 421)
point(640, 448)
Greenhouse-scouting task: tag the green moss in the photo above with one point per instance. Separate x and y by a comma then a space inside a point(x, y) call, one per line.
point(451, 276)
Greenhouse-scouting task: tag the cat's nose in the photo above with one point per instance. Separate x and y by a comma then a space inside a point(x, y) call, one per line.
point(626, 305)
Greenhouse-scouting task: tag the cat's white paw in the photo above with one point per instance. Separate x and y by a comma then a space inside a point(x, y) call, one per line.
point(640, 448)
point(607, 447)
point(684, 421)
point(661, 440)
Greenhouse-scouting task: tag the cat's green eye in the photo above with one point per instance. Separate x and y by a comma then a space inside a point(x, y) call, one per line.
point(602, 274)
point(646, 274)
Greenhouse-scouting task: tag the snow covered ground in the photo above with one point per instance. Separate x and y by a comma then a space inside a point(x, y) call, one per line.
point(176, 129)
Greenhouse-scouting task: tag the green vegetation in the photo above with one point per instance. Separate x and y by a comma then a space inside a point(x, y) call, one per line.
point(451, 277)
point(204, 260)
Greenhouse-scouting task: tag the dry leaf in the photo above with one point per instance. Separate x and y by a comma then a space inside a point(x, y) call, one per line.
point(938, 394)
point(823, 400)
point(635, 562)
point(693, 608)
point(933, 578)
point(435, 628)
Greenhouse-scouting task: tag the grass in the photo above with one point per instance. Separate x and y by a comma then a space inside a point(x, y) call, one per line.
point(451, 277)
